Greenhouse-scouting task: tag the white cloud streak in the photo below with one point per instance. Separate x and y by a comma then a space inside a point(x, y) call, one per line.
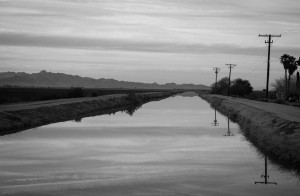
point(158, 27)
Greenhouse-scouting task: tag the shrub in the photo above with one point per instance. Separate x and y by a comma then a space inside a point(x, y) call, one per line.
point(133, 98)
point(75, 92)
point(94, 94)
point(238, 87)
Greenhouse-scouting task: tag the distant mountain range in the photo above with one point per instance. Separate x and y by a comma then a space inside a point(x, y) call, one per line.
point(49, 79)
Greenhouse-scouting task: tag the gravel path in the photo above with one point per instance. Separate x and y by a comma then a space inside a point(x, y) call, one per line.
point(36, 104)
point(286, 112)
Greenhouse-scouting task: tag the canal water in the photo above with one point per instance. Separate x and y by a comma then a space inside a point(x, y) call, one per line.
point(176, 146)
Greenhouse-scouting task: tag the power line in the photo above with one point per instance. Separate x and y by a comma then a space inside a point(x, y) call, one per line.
point(250, 51)
point(291, 31)
point(269, 42)
point(255, 68)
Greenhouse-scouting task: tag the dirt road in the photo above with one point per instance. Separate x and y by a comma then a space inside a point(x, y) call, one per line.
point(56, 102)
point(286, 112)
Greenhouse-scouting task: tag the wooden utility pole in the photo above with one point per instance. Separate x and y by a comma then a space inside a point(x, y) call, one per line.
point(230, 66)
point(216, 69)
point(269, 42)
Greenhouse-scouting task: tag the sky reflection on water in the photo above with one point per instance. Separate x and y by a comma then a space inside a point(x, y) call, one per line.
point(166, 148)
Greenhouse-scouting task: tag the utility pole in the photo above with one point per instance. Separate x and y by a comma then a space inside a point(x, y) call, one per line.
point(265, 176)
point(269, 42)
point(230, 66)
point(216, 69)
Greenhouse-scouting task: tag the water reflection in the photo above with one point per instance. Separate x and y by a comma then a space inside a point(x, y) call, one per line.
point(78, 119)
point(277, 166)
point(130, 110)
point(165, 148)
point(229, 133)
point(188, 94)
point(265, 176)
point(215, 123)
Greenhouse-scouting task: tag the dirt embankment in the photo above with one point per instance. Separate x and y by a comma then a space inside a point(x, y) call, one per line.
point(273, 129)
point(19, 117)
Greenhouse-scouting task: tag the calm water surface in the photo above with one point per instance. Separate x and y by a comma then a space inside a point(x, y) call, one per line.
point(167, 147)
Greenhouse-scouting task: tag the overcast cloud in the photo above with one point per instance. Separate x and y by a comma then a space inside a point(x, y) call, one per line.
point(120, 38)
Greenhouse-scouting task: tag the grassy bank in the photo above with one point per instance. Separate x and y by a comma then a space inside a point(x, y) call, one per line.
point(275, 137)
point(27, 94)
point(22, 118)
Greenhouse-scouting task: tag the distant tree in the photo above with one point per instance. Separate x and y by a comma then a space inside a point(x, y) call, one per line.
point(241, 87)
point(221, 87)
point(298, 76)
point(75, 92)
point(238, 87)
point(292, 69)
point(290, 65)
point(298, 62)
point(279, 86)
point(94, 94)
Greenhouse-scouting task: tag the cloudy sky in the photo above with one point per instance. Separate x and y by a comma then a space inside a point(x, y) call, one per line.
point(148, 40)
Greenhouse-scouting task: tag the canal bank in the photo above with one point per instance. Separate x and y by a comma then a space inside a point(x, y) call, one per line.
point(167, 147)
point(274, 129)
point(19, 117)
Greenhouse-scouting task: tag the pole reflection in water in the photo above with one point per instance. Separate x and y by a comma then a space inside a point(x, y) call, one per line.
point(265, 175)
point(228, 131)
point(215, 123)
point(153, 152)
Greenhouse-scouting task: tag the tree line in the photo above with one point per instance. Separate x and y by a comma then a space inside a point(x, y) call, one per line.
point(287, 88)
point(238, 87)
